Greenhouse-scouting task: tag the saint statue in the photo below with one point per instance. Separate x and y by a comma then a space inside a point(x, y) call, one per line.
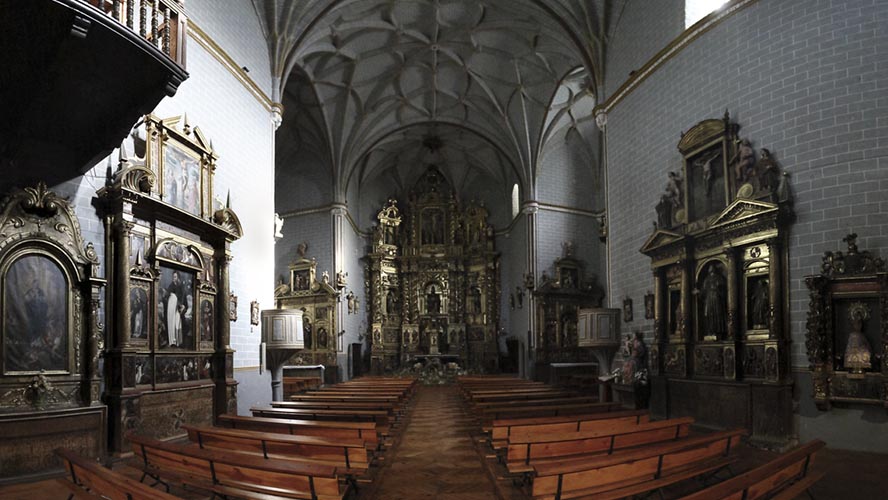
point(858, 355)
point(714, 298)
point(433, 301)
point(760, 304)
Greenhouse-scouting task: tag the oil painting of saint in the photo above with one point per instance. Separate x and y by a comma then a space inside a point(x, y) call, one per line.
point(36, 316)
point(175, 312)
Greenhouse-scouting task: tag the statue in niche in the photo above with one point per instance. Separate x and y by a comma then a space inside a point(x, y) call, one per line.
point(743, 161)
point(322, 338)
point(714, 302)
point(760, 304)
point(390, 302)
point(388, 235)
point(433, 301)
point(377, 337)
point(858, 354)
point(306, 330)
point(476, 300)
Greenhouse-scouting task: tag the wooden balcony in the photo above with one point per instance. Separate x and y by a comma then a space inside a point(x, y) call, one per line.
point(77, 75)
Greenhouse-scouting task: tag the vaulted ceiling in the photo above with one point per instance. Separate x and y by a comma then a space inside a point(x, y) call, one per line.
point(383, 86)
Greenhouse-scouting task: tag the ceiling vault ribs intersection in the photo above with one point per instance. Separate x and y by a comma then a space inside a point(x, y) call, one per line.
point(387, 74)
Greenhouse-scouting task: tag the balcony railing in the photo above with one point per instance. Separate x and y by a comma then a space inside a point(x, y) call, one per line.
point(161, 22)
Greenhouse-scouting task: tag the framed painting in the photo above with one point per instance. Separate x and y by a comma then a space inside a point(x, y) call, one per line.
point(139, 307)
point(175, 308)
point(207, 310)
point(232, 307)
point(36, 316)
point(181, 178)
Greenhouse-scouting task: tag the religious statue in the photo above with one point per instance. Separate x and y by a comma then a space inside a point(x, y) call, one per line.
point(858, 354)
point(325, 278)
point(352, 302)
point(673, 190)
point(714, 306)
point(433, 301)
point(705, 163)
point(760, 304)
point(377, 337)
point(636, 374)
point(767, 172)
point(340, 279)
point(476, 300)
point(744, 161)
point(322, 338)
point(306, 331)
point(302, 249)
point(278, 226)
point(664, 213)
point(390, 302)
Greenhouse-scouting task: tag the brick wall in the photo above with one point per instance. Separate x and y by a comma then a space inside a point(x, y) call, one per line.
point(806, 79)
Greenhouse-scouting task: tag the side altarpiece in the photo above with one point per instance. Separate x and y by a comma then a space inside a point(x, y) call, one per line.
point(433, 281)
point(168, 358)
point(50, 334)
point(318, 300)
point(718, 253)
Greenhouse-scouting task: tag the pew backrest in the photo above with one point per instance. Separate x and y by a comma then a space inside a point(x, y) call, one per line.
point(100, 482)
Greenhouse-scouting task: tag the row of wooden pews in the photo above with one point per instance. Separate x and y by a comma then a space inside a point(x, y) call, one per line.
point(322, 448)
point(563, 446)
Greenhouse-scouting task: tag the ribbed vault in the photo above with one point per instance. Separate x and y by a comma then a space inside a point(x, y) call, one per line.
point(387, 75)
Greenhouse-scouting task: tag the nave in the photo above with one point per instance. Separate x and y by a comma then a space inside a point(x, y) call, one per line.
point(484, 437)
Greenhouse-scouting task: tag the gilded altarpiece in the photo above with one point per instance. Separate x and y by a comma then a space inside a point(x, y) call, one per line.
point(168, 358)
point(718, 251)
point(433, 281)
point(847, 328)
point(50, 335)
point(318, 299)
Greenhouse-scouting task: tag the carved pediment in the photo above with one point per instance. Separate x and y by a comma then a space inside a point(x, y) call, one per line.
point(660, 238)
point(702, 133)
point(742, 209)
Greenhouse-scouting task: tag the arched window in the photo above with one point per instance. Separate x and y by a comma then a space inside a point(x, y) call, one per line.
point(516, 201)
point(698, 9)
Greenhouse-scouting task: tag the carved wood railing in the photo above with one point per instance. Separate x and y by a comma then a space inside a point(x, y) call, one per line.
point(161, 22)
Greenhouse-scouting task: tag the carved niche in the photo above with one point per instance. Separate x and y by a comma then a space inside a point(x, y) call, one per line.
point(50, 333)
point(433, 280)
point(847, 328)
point(718, 254)
point(318, 300)
point(168, 355)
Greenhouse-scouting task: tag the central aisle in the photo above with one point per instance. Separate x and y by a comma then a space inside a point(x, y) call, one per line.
point(436, 457)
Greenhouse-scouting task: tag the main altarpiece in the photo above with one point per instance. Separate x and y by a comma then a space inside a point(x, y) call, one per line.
point(432, 278)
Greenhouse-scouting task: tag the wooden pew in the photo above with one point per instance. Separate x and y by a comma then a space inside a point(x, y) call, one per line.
point(488, 415)
point(378, 416)
point(365, 431)
point(636, 471)
point(89, 480)
point(502, 430)
point(498, 396)
point(484, 405)
point(293, 385)
point(348, 455)
point(783, 478)
point(338, 405)
point(524, 453)
point(235, 474)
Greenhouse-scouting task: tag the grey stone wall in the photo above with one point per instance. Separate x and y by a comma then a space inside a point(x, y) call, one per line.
point(806, 79)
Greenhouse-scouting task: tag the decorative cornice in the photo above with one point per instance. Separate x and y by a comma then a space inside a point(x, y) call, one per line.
point(210, 45)
point(673, 49)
